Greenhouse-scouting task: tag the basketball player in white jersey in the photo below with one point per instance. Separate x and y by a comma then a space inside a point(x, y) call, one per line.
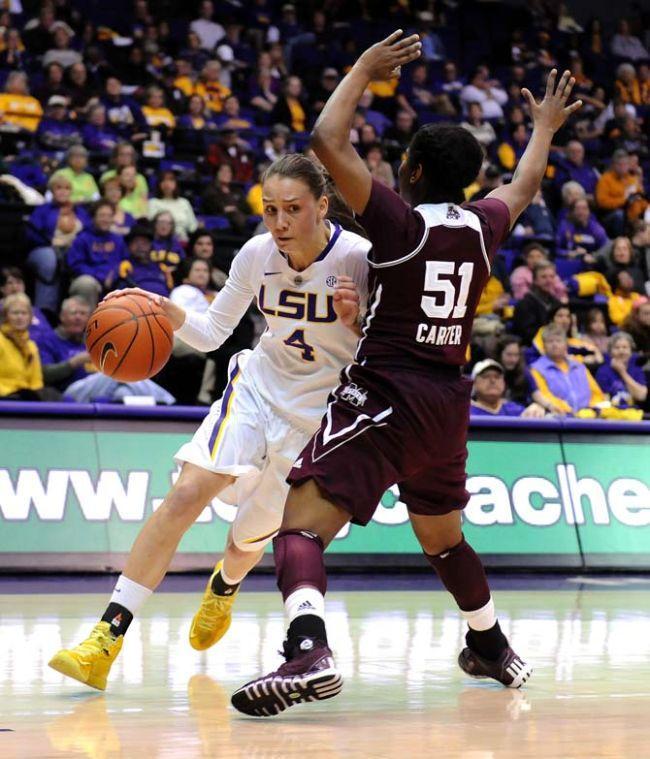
point(309, 278)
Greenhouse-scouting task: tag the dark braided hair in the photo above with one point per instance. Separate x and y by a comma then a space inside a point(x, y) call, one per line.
point(450, 157)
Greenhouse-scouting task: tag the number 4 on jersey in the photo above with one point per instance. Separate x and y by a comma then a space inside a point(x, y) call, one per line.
point(433, 284)
point(297, 340)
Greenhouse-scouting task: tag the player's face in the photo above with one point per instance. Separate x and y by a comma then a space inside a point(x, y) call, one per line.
point(291, 212)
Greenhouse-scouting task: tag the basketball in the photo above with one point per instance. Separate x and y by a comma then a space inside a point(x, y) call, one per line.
point(129, 338)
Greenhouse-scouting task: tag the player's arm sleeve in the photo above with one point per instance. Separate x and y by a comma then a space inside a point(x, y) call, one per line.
point(207, 332)
point(393, 227)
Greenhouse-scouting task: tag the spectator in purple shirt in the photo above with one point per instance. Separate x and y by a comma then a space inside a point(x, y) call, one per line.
point(139, 270)
point(98, 135)
point(620, 376)
point(580, 234)
point(94, 255)
point(488, 396)
point(572, 167)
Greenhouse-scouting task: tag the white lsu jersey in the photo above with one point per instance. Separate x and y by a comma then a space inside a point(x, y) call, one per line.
point(305, 346)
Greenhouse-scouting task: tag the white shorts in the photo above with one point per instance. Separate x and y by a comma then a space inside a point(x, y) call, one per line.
point(243, 436)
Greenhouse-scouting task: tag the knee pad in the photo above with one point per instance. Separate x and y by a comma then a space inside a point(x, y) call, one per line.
point(299, 561)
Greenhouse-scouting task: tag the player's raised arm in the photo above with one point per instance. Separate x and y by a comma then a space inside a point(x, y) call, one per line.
point(548, 116)
point(331, 134)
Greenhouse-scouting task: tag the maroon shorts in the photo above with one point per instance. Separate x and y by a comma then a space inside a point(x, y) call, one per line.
point(382, 428)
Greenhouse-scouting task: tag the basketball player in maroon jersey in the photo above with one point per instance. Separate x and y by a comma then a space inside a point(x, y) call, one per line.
point(401, 412)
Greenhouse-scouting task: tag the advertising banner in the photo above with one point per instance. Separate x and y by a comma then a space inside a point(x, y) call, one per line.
point(83, 488)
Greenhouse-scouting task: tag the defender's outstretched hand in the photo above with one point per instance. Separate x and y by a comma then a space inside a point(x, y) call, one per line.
point(553, 111)
point(383, 59)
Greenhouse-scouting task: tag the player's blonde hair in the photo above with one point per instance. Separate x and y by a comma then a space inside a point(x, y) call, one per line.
point(298, 166)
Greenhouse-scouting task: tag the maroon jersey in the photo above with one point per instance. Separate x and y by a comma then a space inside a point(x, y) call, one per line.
point(429, 265)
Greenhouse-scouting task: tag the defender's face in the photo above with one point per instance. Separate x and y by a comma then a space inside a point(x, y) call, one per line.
point(291, 213)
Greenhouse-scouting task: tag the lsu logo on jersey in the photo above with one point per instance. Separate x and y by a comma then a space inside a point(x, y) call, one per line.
point(312, 307)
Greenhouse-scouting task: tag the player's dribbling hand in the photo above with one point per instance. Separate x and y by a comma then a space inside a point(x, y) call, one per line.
point(553, 111)
point(174, 313)
point(154, 297)
point(346, 301)
point(383, 60)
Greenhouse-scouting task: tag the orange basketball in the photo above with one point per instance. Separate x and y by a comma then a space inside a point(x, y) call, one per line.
point(129, 338)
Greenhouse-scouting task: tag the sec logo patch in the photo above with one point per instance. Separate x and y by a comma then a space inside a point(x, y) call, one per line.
point(331, 281)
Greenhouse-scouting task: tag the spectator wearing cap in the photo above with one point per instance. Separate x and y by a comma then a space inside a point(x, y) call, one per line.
point(51, 230)
point(572, 167)
point(167, 198)
point(277, 143)
point(139, 270)
point(488, 393)
point(61, 53)
point(95, 255)
point(488, 92)
point(56, 132)
point(84, 187)
point(291, 109)
point(328, 83)
point(616, 190)
point(620, 376)
point(531, 312)
point(477, 126)
point(566, 385)
point(18, 109)
point(580, 235)
point(521, 278)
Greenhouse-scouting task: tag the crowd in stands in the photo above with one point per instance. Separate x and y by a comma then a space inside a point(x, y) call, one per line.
point(134, 134)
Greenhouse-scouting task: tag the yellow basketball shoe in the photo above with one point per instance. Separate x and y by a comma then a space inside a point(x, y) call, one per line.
point(90, 661)
point(212, 620)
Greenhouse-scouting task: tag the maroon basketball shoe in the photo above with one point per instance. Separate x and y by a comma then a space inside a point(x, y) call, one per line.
point(508, 669)
point(309, 674)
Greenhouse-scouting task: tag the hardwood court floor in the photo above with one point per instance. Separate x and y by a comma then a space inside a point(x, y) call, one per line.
point(404, 695)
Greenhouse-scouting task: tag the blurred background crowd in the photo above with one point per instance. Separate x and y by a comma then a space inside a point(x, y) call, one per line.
point(133, 135)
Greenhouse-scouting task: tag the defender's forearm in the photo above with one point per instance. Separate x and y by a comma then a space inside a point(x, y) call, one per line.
point(335, 121)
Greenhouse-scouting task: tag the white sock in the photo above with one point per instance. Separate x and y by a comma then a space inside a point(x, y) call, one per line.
point(129, 594)
point(304, 601)
point(481, 619)
point(227, 578)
